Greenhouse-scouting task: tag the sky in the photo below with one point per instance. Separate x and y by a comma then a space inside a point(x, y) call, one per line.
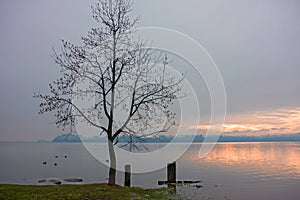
point(254, 43)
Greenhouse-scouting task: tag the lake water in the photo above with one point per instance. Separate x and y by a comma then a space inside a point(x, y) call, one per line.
point(230, 171)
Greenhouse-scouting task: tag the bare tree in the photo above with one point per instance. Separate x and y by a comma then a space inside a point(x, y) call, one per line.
point(125, 76)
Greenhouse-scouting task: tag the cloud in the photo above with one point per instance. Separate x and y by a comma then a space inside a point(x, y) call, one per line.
point(280, 121)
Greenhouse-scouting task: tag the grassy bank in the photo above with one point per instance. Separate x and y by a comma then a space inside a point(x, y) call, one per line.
point(88, 191)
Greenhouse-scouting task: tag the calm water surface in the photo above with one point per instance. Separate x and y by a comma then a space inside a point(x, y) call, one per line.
point(230, 171)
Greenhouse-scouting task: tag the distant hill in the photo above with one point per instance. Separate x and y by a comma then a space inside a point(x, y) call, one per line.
point(263, 138)
point(67, 138)
point(184, 138)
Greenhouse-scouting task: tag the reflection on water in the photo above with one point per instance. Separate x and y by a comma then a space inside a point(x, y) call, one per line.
point(269, 160)
point(231, 171)
point(245, 171)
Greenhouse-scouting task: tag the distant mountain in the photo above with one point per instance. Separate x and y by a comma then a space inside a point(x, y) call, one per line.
point(67, 138)
point(263, 138)
point(184, 138)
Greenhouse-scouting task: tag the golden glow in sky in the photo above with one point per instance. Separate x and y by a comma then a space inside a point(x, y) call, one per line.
point(281, 121)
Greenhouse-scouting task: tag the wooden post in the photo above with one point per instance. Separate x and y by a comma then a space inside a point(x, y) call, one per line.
point(171, 172)
point(127, 175)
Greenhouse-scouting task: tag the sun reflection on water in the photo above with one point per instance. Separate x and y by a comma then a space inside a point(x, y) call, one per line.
point(276, 160)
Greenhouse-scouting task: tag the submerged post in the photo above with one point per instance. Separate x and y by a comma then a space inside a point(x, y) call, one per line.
point(127, 176)
point(171, 172)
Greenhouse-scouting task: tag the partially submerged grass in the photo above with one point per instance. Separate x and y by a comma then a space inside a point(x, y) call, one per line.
point(86, 191)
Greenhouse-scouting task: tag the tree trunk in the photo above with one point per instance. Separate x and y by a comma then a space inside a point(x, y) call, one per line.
point(112, 168)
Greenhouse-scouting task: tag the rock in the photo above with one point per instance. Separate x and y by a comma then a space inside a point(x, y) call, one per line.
point(55, 181)
point(177, 182)
point(162, 182)
point(191, 182)
point(44, 163)
point(73, 180)
point(51, 180)
point(198, 186)
point(55, 164)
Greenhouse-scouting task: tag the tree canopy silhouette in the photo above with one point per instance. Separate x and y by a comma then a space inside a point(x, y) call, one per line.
point(129, 81)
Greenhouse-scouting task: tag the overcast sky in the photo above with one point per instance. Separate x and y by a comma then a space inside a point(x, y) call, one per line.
point(255, 44)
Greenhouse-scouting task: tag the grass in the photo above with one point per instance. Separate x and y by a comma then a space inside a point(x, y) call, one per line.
point(86, 191)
